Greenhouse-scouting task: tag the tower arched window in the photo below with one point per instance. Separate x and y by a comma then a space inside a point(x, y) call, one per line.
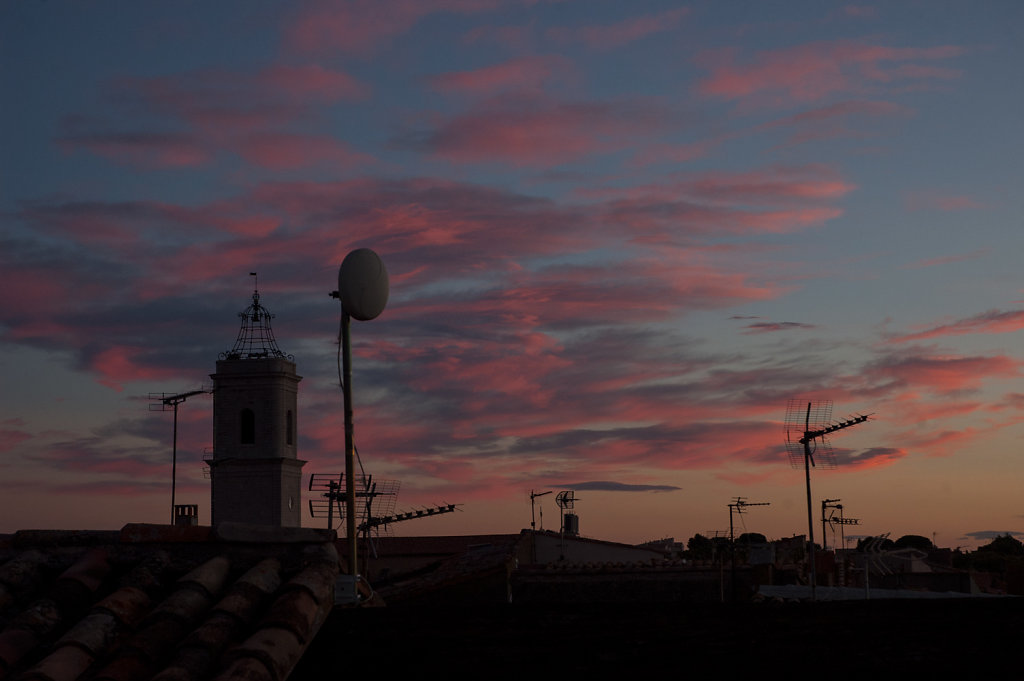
point(289, 428)
point(248, 427)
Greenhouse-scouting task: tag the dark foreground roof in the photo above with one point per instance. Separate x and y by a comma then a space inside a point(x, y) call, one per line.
point(169, 603)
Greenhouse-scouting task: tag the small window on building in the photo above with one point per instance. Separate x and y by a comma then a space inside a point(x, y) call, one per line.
point(248, 431)
point(289, 428)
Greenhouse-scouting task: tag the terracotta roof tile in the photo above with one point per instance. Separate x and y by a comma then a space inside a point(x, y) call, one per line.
point(247, 669)
point(66, 663)
point(159, 602)
point(15, 644)
point(18, 577)
point(201, 650)
point(276, 649)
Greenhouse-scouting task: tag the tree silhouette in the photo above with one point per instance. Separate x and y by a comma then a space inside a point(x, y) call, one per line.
point(748, 538)
point(1004, 545)
point(700, 547)
point(914, 541)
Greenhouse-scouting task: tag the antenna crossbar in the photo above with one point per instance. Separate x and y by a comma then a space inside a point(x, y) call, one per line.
point(379, 521)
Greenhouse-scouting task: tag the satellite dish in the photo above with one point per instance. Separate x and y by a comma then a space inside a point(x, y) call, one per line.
point(363, 284)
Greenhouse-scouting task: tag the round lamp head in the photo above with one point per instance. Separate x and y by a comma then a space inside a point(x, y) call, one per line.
point(363, 284)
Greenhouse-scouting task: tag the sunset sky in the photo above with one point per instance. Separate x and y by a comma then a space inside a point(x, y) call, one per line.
point(620, 236)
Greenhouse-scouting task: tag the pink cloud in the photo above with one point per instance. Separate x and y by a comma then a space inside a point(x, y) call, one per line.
point(524, 74)
point(834, 121)
point(874, 457)
point(237, 112)
point(616, 35)
point(663, 221)
point(940, 373)
point(911, 408)
point(12, 434)
point(514, 362)
point(236, 101)
point(145, 149)
point(768, 186)
point(820, 123)
point(769, 327)
point(779, 184)
point(946, 441)
point(361, 26)
point(122, 364)
point(862, 11)
point(992, 321)
point(517, 38)
point(42, 293)
point(678, 153)
point(536, 132)
point(772, 200)
point(929, 200)
point(312, 81)
point(280, 151)
point(811, 72)
point(946, 260)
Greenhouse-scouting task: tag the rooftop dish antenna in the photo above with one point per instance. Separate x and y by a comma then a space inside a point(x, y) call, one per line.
point(363, 290)
point(807, 424)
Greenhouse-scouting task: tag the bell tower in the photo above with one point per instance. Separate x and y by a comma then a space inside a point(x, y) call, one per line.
point(255, 474)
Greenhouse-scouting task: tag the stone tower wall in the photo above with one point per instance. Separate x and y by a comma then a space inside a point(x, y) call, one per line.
point(259, 481)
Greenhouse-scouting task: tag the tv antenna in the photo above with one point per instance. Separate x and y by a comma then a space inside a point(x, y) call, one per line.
point(330, 498)
point(570, 522)
point(169, 402)
point(807, 426)
point(830, 506)
point(739, 506)
point(533, 523)
point(375, 510)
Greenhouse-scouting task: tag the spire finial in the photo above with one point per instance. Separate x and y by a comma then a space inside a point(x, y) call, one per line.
point(255, 337)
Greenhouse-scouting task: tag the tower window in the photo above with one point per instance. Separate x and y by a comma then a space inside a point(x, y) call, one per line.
point(289, 428)
point(248, 430)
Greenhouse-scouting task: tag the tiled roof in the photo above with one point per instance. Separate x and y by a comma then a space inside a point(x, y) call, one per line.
point(161, 602)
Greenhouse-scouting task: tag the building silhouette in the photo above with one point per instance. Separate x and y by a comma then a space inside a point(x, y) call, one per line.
point(255, 472)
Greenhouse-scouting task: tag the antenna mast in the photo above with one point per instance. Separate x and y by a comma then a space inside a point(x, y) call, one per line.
point(800, 436)
point(166, 402)
point(738, 505)
point(363, 290)
point(566, 501)
point(533, 521)
point(833, 505)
